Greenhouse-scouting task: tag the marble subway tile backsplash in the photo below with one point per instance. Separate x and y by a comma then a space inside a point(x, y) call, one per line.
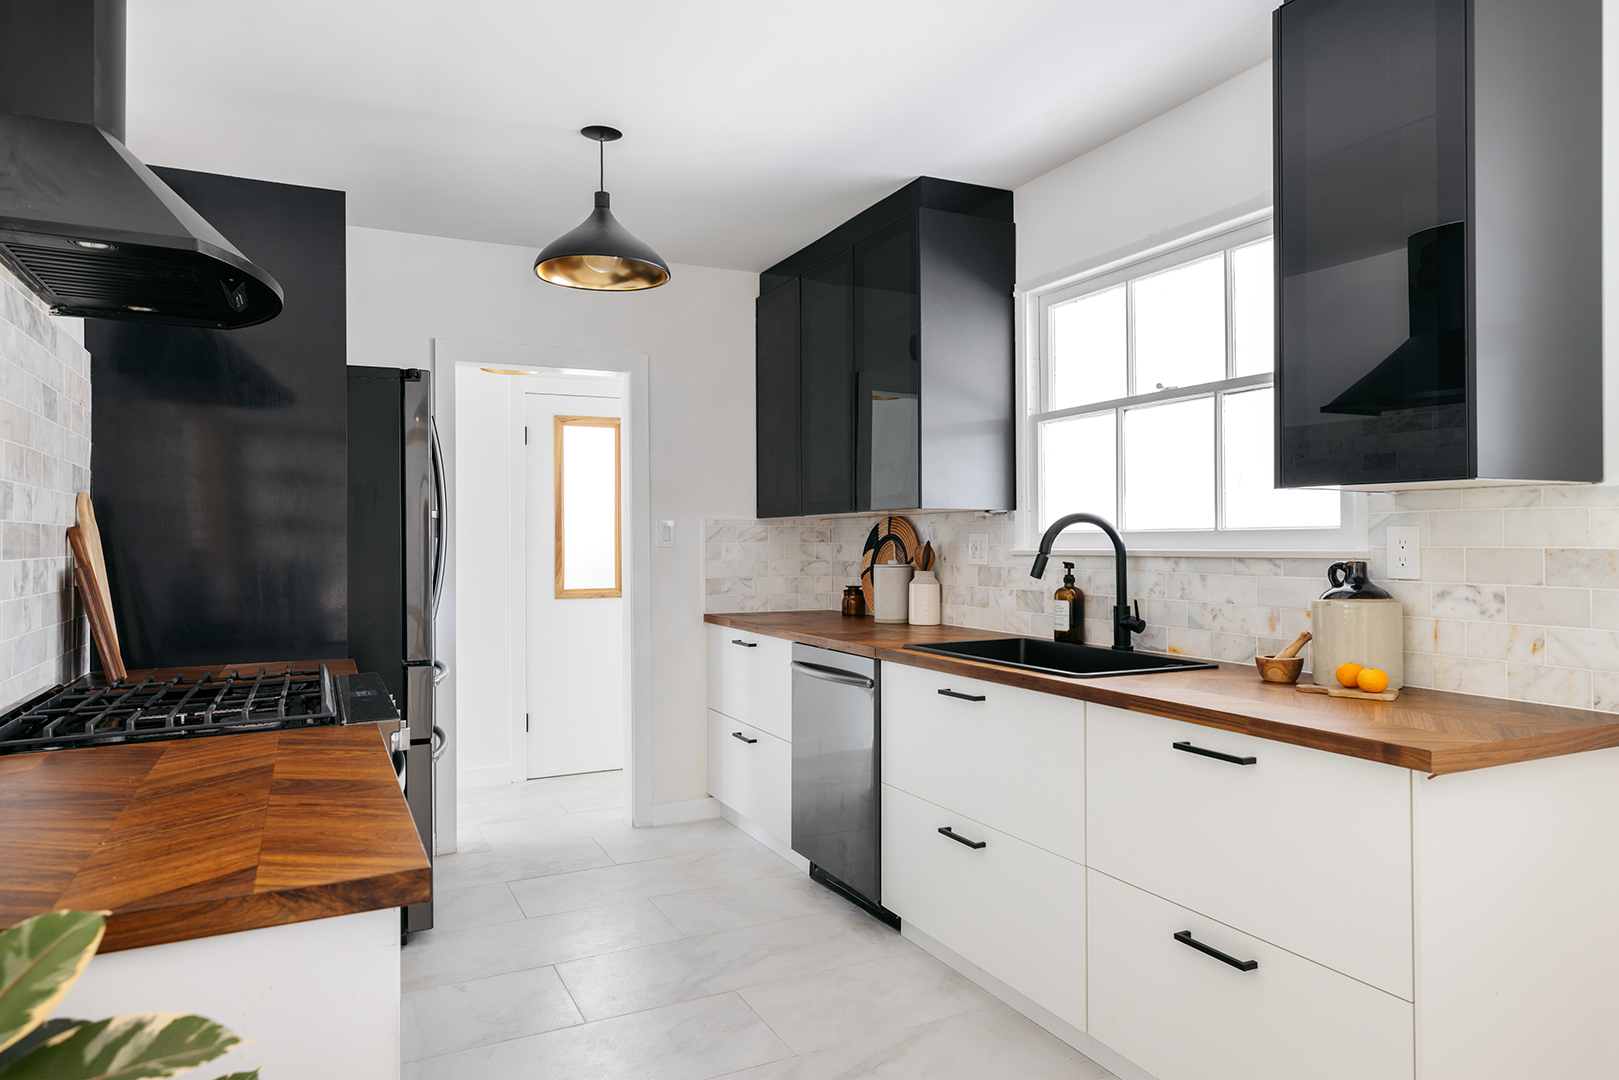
point(45, 442)
point(1519, 594)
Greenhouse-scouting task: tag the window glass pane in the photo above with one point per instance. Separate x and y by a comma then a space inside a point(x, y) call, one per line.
point(1078, 467)
point(1253, 308)
point(1251, 502)
point(1087, 350)
point(1169, 466)
point(1180, 326)
point(588, 502)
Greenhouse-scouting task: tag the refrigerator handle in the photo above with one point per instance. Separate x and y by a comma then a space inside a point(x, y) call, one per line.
point(440, 743)
point(440, 498)
point(441, 671)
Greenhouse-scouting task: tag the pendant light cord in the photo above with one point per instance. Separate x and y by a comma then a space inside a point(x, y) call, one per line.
point(601, 165)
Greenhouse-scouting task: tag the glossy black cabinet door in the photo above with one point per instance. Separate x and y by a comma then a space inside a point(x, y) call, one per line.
point(826, 386)
point(776, 402)
point(887, 360)
point(1372, 235)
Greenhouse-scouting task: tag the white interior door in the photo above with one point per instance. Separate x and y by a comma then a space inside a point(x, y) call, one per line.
point(577, 686)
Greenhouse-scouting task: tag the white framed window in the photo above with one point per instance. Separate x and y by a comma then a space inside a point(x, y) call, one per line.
point(1148, 400)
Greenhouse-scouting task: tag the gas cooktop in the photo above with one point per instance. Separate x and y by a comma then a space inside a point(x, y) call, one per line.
point(86, 713)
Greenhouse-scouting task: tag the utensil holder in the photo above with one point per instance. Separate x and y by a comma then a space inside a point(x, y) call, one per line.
point(924, 599)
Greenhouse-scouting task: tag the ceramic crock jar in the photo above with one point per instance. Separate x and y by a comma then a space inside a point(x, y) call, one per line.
point(1355, 622)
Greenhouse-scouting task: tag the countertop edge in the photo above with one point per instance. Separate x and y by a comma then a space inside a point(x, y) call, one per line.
point(212, 918)
point(1433, 761)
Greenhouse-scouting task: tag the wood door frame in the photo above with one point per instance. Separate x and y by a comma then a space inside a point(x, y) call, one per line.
point(560, 423)
point(448, 355)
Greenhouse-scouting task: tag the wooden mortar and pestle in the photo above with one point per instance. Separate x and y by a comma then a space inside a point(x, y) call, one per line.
point(1285, 666)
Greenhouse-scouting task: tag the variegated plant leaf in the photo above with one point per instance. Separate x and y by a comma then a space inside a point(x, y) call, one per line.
point(40, 959)
point(125, 1048)
point(254, 1075)
point(50, 1029)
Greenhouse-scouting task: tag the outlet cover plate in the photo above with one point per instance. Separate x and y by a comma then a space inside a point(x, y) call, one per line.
point(1405, 552)
point(978, 548)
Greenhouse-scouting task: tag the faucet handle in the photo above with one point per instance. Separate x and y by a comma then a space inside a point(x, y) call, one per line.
point(1134, 623)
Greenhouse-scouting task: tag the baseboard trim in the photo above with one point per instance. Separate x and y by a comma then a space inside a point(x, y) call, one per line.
point(676, 813)
point(1099, 1052)
point(763, 835)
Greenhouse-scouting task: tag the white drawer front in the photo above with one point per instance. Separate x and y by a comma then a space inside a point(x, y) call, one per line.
point(1013, 909)
point(1184, 1015)
point(754, 778)
point(1015, 761)
point(750, 679)
point(1303, 848)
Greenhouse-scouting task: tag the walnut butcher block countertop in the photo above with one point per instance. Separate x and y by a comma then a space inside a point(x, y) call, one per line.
point(1427, 730)
point(190, 838)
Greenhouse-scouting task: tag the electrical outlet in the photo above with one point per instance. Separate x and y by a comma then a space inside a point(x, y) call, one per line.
point(978, 548)
point(1405, 552)
point(666, 533)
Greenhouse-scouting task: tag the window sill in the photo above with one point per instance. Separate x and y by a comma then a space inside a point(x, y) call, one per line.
point(1335, 554)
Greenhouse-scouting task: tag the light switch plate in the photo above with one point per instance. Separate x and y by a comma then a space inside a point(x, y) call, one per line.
point(666, 534)
point(1405, 552)
point(978, 548)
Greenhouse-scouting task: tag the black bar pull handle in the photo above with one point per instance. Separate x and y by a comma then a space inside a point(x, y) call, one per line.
point(1186, 747)
point(963, 697)
point(1185, 938)
point(745, 644)
point(974, 844)
point(744, 738)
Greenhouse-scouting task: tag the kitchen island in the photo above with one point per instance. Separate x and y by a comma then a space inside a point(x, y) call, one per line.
point(1198, 875)
point(254, 878)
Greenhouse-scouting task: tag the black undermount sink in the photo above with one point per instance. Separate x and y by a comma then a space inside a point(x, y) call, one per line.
point(1061, 658)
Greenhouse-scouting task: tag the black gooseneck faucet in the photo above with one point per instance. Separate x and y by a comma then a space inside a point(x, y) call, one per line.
point(1124, 623)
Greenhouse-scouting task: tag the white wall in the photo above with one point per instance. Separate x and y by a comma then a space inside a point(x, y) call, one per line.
point(405, 290)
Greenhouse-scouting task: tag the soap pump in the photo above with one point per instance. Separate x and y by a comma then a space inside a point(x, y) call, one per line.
point(1068, 614)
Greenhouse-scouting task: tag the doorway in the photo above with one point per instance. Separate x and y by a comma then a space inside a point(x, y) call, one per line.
point(577, 697)
point(483, 622)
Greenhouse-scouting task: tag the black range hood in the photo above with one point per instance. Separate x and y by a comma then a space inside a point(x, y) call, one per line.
point(86, 226)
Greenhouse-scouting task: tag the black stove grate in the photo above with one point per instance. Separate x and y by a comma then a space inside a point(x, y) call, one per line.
point(87, 714)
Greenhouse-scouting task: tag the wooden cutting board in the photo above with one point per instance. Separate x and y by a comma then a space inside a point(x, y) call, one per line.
point(91, 535)
point(100, 619)
point(1344, 691)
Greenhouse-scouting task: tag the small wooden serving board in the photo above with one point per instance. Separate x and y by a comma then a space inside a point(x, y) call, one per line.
point(1344, 691)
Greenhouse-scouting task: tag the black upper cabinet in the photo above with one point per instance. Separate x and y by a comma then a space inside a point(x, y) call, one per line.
point(825, 379)
point(776, 402)
point(903, 357)
point(1438, 209)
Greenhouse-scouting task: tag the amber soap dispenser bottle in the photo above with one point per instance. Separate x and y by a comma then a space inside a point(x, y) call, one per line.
point(1068, 623)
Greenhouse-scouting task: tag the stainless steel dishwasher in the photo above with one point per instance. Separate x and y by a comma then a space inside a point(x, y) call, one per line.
point(837, 753)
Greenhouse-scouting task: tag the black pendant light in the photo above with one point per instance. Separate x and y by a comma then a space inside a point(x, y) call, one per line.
point(601, 254)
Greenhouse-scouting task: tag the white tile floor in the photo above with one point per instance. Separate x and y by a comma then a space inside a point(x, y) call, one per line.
point(569, 945)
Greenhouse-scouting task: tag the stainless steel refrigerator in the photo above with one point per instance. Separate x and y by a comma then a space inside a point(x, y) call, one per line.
point(396, 565)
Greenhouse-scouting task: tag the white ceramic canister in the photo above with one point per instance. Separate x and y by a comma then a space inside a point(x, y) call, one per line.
point(1370, 633)
point(890, 592)
point(924, 599)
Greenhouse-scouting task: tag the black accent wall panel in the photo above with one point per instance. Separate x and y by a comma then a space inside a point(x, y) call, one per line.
point(218, 457)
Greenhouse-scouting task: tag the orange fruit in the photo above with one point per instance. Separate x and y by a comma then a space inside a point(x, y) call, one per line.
point(1347, 674)
point(1372, 680)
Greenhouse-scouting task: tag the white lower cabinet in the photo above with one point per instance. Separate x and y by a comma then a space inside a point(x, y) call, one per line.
point(1013, 909)
point(751, 771)
point(1014, 759)
point(1183, 1014)
point(1307, 849)
point(750, 679)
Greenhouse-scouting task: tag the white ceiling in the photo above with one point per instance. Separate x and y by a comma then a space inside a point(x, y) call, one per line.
point(751, 126)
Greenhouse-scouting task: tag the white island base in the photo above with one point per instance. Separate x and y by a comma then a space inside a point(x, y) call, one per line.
point(309, 1000)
